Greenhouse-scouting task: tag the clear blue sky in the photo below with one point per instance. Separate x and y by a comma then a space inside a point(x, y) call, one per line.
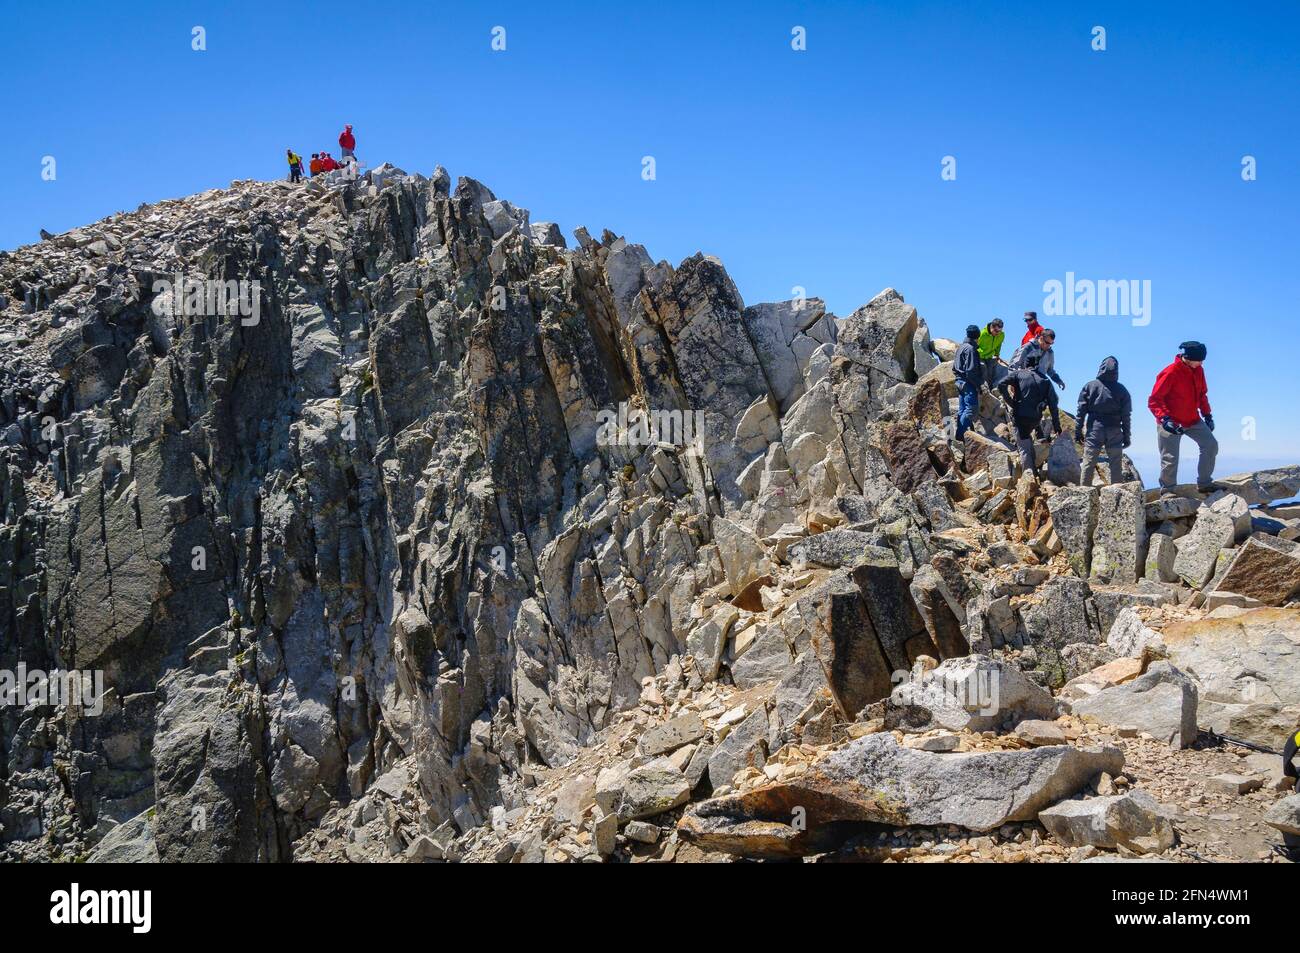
point(819, 168)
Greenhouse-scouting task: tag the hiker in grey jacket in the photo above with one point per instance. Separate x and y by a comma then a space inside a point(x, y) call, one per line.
point(1104, 419)
point(1042, 347)
point(968, 369)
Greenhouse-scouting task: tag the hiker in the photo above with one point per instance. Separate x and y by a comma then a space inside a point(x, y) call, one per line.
point(990, 351)
point(315, 164)
point(1288, 758)
point(327, 163)
point(1181, 405)
point(1041, 347)
point(1032, 327)
point(295, 165)
point(1104, 419)
point(347, 142)
point(969, 371)
point(1028, 391)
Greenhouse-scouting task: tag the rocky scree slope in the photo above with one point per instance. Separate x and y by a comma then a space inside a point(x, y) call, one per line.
point(371, 564)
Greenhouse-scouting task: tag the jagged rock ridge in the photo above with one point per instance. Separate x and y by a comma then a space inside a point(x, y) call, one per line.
point(400, 524)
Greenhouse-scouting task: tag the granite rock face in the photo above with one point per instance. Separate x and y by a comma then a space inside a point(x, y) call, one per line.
point(370, 504)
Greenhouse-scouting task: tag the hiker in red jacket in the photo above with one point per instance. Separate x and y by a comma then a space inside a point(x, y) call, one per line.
point(347, 142)
point(1032, 327)
point(1181, 406)
point(327, 162)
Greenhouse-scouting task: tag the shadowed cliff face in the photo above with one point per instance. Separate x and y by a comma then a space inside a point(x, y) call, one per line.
point(363, 507)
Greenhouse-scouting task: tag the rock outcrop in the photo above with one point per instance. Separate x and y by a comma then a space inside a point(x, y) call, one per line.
point(366, 519)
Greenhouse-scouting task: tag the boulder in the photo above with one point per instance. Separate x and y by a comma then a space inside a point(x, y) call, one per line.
point(1074, 518)
point(1112, 673)
point(1198, 551)
point(1119, 538)
point(130, 842)
point(1063, 465)
point(743, 558)
point(671, 735)
point(1133, 820)
point(1264, 486)
point(1263, 569)
point(1284, 815)
point(1037, 733)
point(1130, 636)
point(975, 693)
point(1161, 552)
point(651, 789)
point(874, 779)
point(1162, 703)
point(833, 549)
point(1246, 668)
point(744, 747)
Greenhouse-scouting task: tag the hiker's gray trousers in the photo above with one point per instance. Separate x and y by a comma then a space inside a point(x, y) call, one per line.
point(1168, 443)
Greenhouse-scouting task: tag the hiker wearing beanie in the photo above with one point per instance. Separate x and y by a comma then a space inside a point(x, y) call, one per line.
point(1032, 327)
point(990, 351)
point(968, 369)
point(1028, 392)
point(1181, 405)
point(1104, 419)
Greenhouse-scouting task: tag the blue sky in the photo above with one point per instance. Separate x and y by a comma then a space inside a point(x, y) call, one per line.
point(818, 169)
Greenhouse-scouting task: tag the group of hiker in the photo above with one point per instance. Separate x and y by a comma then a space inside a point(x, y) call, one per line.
point(322, 162)
point(1103, 420)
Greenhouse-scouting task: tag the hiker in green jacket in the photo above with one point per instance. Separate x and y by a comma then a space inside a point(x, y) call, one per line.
point(990, 350)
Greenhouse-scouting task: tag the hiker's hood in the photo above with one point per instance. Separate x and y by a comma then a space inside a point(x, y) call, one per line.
point(1108, 373)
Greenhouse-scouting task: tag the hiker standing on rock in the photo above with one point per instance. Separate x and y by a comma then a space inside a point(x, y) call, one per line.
point(990, 351)
point(1032, 327)
point(1028, 392)
point(295, 165)
point(347, 142)
point(1104, 419)
point(968, 369)
point(1041, 347)
point(1180, 403)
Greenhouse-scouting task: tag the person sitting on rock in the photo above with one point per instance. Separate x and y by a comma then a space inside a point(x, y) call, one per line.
point(1032, 327)
point(1104, 419)
point(990, 351)
point(315, 165)
point(1181, 405)
point(969, 372)
point(1028, 392)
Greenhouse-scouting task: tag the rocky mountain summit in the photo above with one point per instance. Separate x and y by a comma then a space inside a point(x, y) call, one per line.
point(395, 529)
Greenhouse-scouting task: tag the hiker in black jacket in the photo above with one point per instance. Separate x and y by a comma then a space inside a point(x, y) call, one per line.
point(1288, 759)
point(1028, 392)
point(969, 371)
point(1104, 420)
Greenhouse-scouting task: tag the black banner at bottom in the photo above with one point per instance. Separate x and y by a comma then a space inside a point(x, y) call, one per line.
point(145, 903)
